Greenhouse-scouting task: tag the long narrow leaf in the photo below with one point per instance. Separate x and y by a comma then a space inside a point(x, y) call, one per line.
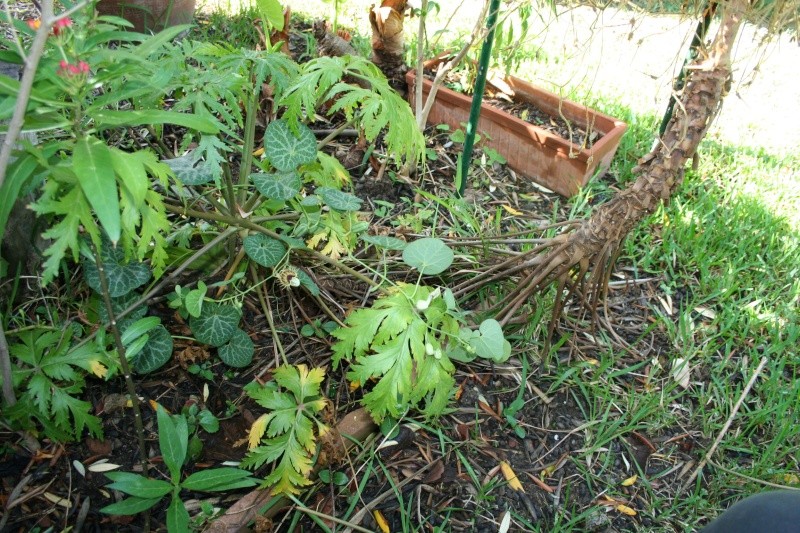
point(173, 449)
point(177, 516)
point(95, 172)
point(114, 119)
point(218, 479)
point(139, 486)
point(130, 506)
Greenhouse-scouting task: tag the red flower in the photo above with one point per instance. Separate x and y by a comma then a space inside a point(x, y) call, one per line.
point(69, 70)
point(60, 24)
point(34, 23)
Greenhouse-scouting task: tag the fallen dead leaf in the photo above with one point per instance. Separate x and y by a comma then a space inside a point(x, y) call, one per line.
point(511, 477)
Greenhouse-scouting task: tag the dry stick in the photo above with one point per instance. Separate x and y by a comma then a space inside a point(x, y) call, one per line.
point(725, 428)
point(247, 224)
point(10, 141)
point(262, 298)
point(753, 479)
point(359, 516)
point(123, 360)
point(171, 278)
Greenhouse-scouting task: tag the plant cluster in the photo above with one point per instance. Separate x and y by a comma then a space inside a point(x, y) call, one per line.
point(247, 181)
point(145, 492)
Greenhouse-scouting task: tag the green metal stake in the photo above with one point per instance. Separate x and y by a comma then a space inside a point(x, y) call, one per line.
point(477, 96)
point(697, 40)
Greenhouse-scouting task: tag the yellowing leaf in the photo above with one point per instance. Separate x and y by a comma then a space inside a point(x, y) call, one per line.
point(354, 386)
point(624, 509)
point(510, 476)
point(257, 431)
point(630, 481)
point(791, 479)
point(511, 210)
point(58, 500)
point(259, 152)
point(97, 368)
point(382, 523)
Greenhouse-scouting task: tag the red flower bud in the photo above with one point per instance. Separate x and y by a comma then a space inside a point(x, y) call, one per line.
point(60, 24)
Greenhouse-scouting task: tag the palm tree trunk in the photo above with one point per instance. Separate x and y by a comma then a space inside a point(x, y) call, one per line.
point(585, 257)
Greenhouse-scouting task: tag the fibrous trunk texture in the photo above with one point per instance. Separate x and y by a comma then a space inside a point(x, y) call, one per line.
point(584, 257)
point(387, 40)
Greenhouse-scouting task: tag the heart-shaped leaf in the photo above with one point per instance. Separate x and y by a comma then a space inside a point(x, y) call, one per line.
point(189, 170)
point(238, 351)
point(122, 278)
point(489, 342)
point(156, 352)
point(119, 304)
point(339, 200)
point(428, 255)
point(280, 186)
point(264, 250)
point(287, 150)
point(216, 325)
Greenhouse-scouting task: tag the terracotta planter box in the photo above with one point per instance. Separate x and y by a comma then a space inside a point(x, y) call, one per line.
point(545, 157)
point(150, 15)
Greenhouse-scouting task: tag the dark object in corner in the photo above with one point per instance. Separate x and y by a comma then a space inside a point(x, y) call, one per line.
point(767, 512)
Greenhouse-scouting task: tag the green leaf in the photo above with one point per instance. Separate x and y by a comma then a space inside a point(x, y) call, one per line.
point(156, 352)
point(19, 172)
point(132, 174)
point(177, 516)
point(238, 352)
point(287, 150)
point(308, 283)
point(122, 278)
point(272, 12)
point(139, 486)
point(429, 255)
point(95, 172)
point(173, 440)
point(264, 250)
point(194, 300)
point(130, 506)
point(290, 425)
point(384, 241)
point(216, 325)
point(339, 200)
point(208, 421)
point(218, 479)
point(189, 170)
point(279, 186)
point(107, 118)
point(402, 347)
point(489, 342)
point(139, 328)
point(119, 304)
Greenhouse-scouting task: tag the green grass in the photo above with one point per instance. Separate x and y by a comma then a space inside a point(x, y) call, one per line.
point(726, 250)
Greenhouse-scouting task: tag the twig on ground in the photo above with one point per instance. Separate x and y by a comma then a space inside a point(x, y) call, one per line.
point(725, 428)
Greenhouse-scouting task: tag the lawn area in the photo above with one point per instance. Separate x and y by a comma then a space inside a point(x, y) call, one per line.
point(295, 284)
